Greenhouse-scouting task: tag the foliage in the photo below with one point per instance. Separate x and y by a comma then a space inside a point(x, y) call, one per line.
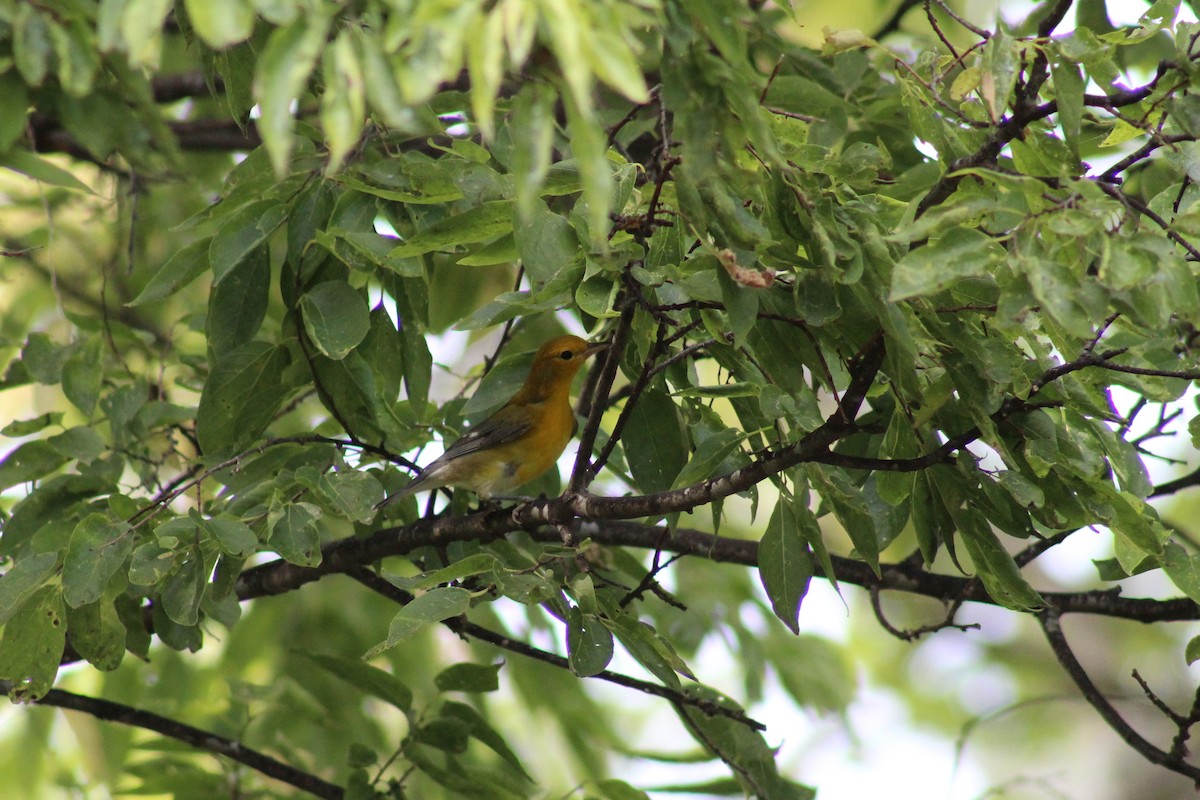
point(874, 319)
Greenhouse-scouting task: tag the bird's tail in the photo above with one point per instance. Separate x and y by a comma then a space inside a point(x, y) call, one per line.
point(413, 486)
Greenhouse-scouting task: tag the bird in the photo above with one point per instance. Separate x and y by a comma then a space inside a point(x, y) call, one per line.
point(521, 440)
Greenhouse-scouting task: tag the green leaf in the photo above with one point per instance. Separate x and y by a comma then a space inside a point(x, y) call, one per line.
point(531, 123)
point(372, 680)
point(650, 649)
point(993, 564)
point(82, 375)
point(32, 645)
point(294, 534)
point(999, 66)
point(242, 235)
point(1136, 522)
point(97, 633)
point(336, 318)
point(343, 100)
point(546, 242)
point(613, 789)
point(741, 305)
point(352, 493)
point(242, 394)
point(98, 548)
point(81, 443)
point(472, 565)
point(481, 731)
point(501, 383)
point(596, 297)
point(485, 61)
point(183, 267)
point(742, 747)
point(709, 456)
point(20, 581)
point(810, 529)
point(1068, 93)
point(655, 442)
point(383, 92)
point(13, 121)
point(614, 61)
point(960, 253)
point(78, 60)
point(721, 390)
point(43, 359)
point(589, 644)
point(221, 23)
point(183, 591)
point(449, 735)
point(785, 565)
point(24, 427)
point(29, 462)
point(38, 168)
point(469, 678)
point(1184, 571)
point(150, 563)
point(232, 536)
point(500, 251)
point(433, 606)
point(283, 69)
point(478, 224)
point(588, 147)
point(237, 305)
point(814, 671)
point(30, 41)
point(366, 251)
point(1192, 652)
point(141, 27)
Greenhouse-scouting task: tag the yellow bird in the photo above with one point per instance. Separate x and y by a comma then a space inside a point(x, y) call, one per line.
point(523, 439)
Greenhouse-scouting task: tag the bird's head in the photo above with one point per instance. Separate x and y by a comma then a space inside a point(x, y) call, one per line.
point(557, 361)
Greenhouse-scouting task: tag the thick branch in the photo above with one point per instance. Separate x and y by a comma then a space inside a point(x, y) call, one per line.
point(200, 135)
point(277, 577)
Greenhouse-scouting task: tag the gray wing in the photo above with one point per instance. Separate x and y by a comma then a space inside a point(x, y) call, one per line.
point(505, 426)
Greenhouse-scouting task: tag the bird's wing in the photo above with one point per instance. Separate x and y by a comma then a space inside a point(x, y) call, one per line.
point(506, 425)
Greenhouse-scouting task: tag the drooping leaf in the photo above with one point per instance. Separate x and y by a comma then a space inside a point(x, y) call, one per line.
point(32, 644)
point(221, 23)
point(433, 606)
point(373, 680)
point(589, 644)
point(243, 391)
point(655, 442)
point(282, 70)
point(785, 565)
point(183, 267)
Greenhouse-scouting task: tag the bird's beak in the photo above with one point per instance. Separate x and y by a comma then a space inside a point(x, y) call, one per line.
point(593, 349)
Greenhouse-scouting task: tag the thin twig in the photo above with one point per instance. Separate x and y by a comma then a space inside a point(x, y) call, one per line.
point(1052, 627)
point(463, 627)
point(200, 739)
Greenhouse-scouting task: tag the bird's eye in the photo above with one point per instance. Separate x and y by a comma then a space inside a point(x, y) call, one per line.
point(566, 355)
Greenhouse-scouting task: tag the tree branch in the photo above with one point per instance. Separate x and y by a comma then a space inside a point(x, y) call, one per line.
point(278, 577)
point(201, 740)
point(1062, 650)
point(463, 627)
